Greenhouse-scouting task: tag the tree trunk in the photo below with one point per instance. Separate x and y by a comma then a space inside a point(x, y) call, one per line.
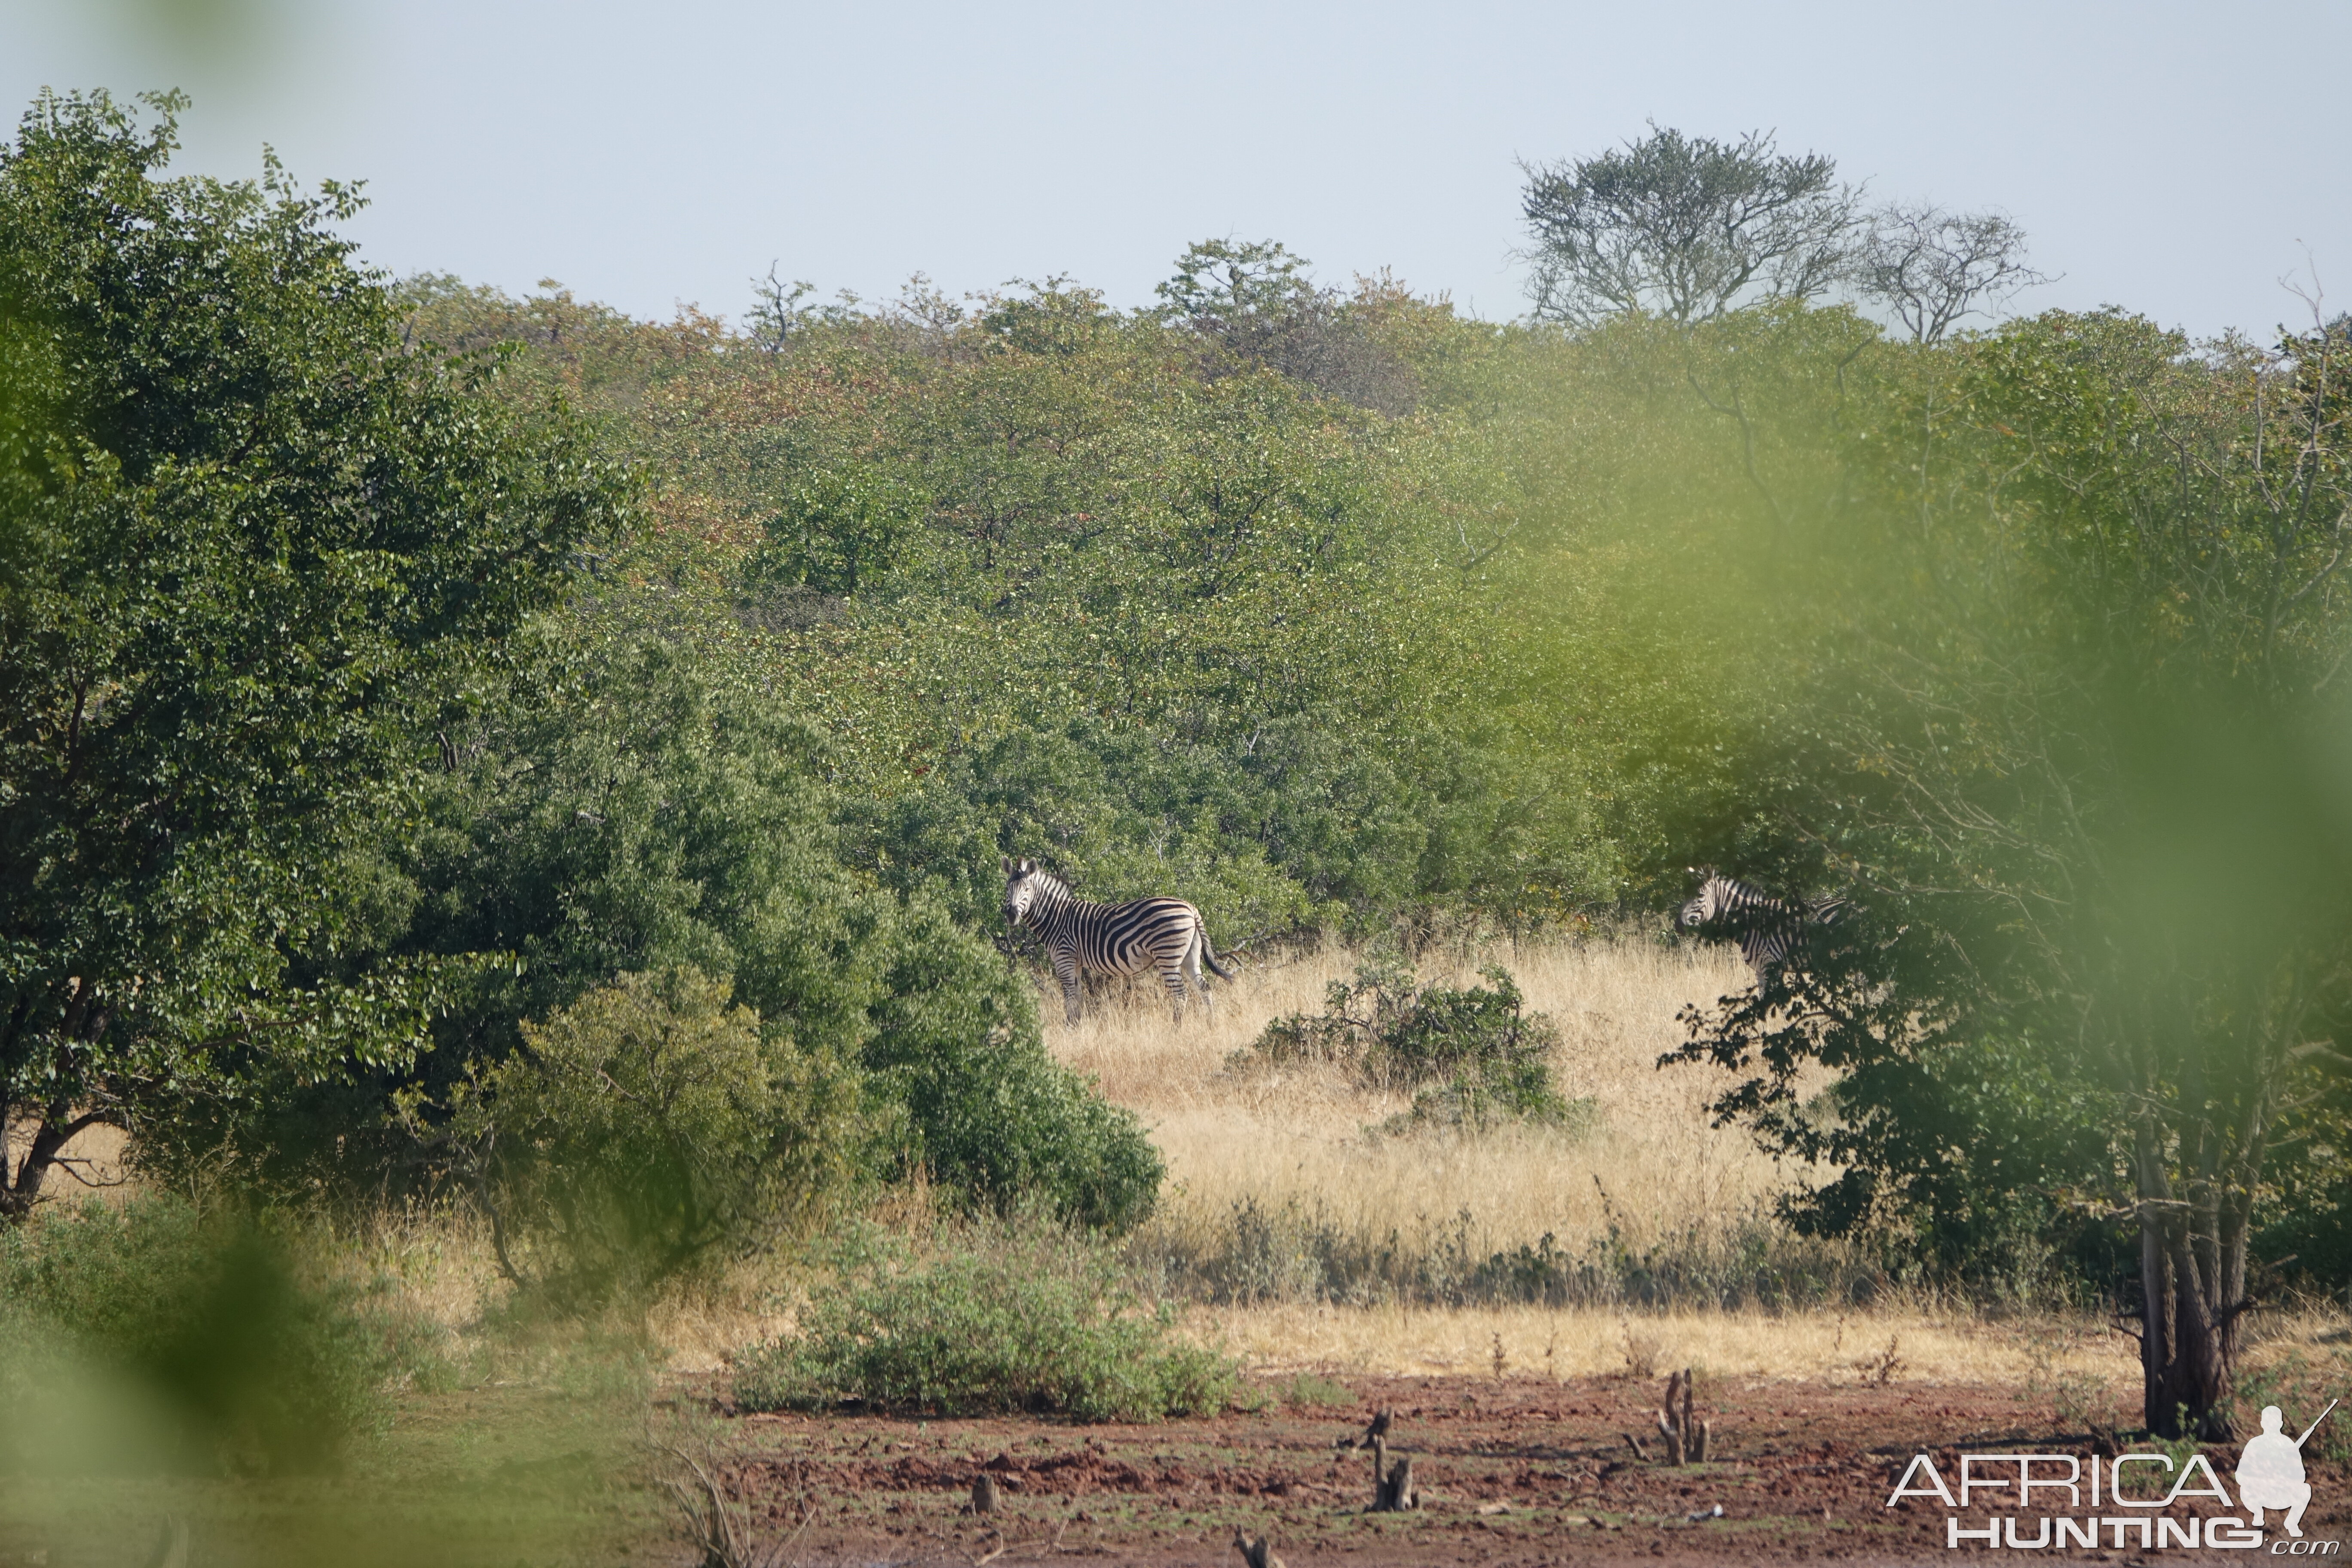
point(20, 1189)
point(2192, 1273)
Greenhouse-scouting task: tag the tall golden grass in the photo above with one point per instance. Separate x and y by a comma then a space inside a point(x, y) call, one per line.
point(1647, 1172)
point(1649, 1162)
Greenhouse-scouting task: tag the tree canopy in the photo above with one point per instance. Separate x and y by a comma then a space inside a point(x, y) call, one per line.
point(249, 535)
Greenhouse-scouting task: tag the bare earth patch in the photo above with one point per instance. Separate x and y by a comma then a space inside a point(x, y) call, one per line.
point(1515, 1471)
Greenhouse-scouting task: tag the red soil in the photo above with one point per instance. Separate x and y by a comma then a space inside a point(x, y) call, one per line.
point(1511, 1472)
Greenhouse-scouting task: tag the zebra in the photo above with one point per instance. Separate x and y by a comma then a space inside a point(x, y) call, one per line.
point(1770, 931)
point(1166, 934)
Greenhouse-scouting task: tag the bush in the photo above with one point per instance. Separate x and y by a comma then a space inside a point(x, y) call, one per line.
point(615, 809)
point(165, 1337)
point(995, 1118)
point(1472, 1057)
point(648, 1129)
point(1038, 1323)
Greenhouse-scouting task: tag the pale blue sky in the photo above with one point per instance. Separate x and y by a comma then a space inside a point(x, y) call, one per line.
point(2177, 158)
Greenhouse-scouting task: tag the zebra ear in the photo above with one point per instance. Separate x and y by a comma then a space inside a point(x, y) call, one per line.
point(1006, 862)
point(1027, 866)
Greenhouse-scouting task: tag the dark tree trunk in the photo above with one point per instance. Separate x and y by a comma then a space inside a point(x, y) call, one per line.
point(2193, 1277)
point(20, 1188)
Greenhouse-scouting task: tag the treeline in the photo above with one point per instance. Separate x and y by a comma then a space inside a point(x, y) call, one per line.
point(1110, 586)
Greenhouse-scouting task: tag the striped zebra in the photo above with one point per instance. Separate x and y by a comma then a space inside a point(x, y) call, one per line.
point(1770, 931)
point(1166, 934)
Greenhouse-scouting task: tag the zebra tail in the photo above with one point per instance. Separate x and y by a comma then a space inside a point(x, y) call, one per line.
point(1209, 956)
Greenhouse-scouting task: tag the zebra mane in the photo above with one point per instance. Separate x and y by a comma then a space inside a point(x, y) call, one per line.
point(1708, 877)
point(1030, 871)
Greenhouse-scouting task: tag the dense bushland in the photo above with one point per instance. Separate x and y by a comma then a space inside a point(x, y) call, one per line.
point(434, 722)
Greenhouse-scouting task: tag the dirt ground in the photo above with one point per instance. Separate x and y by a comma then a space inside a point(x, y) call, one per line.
point(1511, 1472)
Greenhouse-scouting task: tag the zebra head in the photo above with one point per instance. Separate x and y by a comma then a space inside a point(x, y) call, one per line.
point(1023, 882)
point(1708, 904)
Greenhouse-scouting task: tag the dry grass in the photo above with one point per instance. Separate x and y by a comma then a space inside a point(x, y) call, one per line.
point(1816, 1346)
point(1652, 1168)
point(1652, 1165)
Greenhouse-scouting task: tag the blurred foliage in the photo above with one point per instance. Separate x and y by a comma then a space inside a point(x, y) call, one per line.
point(2038, 639)
point(647, 1129)
point(157, 1336)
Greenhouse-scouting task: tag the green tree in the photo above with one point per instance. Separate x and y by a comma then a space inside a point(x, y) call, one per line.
point(251, 535)
point(2069, 724)
point(616, 806)
point(1683, 226)
point(835, 533)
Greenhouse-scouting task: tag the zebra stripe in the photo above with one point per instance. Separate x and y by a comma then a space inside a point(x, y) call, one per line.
point(1166, 934)
point(1770, 931)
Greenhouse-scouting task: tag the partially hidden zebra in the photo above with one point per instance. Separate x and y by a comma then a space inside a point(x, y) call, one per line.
point(1166, 934)
point(1771, 931)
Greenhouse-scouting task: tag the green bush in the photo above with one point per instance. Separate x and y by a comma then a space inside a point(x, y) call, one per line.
point(993, 1118)
point(648, 1129)
point(162, 1336)
point(1472, 1057)
point(1005, 1321)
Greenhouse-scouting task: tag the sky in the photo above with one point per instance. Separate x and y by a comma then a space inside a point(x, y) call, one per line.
point(2176, 159)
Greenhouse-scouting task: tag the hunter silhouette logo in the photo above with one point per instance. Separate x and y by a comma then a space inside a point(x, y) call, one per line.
point(2270, 1470)
point(2141, 1489)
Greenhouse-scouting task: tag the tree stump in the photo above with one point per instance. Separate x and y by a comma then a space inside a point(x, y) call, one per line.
point(1393, 1486)
point(1686, 1436)
point(1401, 1492)
point(1258, 1553)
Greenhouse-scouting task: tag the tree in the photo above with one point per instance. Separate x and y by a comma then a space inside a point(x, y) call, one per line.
point(2069, 726)
point(1254, 300)
point(1933, 267)
point(255, 534)
point(1228, 288)
point(1685, 227)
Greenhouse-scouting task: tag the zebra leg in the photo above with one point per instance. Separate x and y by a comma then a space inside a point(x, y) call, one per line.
point(1066, 970)
point(1172, 975)
point(1200, 981)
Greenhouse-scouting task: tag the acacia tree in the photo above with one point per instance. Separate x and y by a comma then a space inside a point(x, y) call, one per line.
point(1683, 227)
point(2071, 728)
point(250, 532)
point(1934, 267)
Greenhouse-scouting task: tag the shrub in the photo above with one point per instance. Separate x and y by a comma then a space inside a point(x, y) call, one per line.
point(1472, 1055)
point(164, 1336)
point(995, 1119)
point(650, 1128)
point(1007, 1321)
